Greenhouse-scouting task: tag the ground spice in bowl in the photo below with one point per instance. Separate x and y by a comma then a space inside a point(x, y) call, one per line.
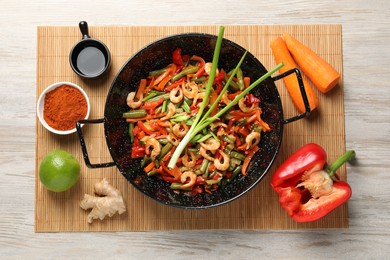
point(63, 107)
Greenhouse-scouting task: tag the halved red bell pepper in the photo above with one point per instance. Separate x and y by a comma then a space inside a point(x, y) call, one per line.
point(308, 188)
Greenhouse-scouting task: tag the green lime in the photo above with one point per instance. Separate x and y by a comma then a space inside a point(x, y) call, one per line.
point(59, 171)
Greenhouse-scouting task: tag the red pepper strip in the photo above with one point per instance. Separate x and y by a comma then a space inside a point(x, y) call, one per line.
point(148, 105)
point(305, 186)
point(137, 151)
point(201, 64)
point(251, 99)
point(159, 128)
point(174, 172)
point(220, 77)
point(176, 57)
point(144, 128)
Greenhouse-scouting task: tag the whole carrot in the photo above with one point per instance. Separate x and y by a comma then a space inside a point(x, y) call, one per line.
point(281, 54)
point(320, 72)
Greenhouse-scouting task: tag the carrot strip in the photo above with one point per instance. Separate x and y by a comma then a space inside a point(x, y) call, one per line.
point(319, 71)
point(141, 88)
point(247, 81)
point(149, 167)
point(247, 160)
point(163, 82)
point(263, 124)
point(281, 54)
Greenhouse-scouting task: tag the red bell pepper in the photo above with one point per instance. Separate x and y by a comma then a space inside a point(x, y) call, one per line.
point(177, 58)
point(308, 188)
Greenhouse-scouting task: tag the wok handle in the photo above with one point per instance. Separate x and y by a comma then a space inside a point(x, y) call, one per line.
point(303, 93)
point(83, 146)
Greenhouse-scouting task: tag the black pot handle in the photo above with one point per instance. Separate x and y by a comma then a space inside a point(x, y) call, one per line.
point(83, 25)
point(83, 146)
point(303, 93)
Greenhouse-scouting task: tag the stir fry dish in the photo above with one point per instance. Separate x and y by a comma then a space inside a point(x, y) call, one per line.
point(162, 115)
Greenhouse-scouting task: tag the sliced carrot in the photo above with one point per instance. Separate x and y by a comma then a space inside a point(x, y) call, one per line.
point(247, 81)
point(281, 54)
point(319, 71)
point(141, 88)
point(149, 167)
point(248, 158)
point(163, 82)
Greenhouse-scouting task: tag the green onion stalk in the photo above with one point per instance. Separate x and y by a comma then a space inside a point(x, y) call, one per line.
point(202, 121)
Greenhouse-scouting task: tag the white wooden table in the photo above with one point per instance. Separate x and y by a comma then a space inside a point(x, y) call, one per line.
point(366, 37)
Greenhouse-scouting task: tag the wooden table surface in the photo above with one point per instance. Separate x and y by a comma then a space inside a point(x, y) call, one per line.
point(366, 33)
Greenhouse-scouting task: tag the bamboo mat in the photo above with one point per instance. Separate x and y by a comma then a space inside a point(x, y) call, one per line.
point(258, 209)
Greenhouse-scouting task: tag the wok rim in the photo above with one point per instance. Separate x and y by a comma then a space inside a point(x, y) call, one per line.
point(249, 187)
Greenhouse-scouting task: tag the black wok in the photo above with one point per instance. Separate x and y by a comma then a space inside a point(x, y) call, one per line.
point(158, 55)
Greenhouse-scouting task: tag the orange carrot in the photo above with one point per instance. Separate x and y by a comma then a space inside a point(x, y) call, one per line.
point(281, 54)
point(248, 158)
point(141, 88)
point(149, 167)
point(247, 81)
point(320, 72)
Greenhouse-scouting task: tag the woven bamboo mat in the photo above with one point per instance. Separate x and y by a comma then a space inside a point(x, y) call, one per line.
point(259, 209)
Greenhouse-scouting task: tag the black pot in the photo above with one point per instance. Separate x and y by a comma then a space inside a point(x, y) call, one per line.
point(158, 55)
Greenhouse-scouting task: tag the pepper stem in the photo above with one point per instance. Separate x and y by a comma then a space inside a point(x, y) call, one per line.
point(347, 156)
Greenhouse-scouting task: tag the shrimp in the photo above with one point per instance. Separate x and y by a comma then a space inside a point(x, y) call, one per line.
point(200, 95)
point(252, 139)
point(225, 98)
point(130, 100)
point(244, 108)
point(185, 176)
point(207, 68)
point(176, 95)
point(178, 131)
point(171, 112)
point(203, 152)
point(210, 144)
point(190, 89)
point(189, 163)
point(222, 166)
point(151, 142)
point(173, 140)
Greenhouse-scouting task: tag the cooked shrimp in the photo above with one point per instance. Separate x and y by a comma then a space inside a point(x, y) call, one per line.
point(244, 108)
point(210, 144)
point(252, 139)
point(222, 166)
point(225, 98)
point(176, 95)
point(180, 131)
point(130, 100)
point(190, 89)
point(189, 163)
point(203, 152)
point(207, 68)
point(200, 95)
point(171, 112)
point(185, 175)
point(152, 147)
point(173, 139)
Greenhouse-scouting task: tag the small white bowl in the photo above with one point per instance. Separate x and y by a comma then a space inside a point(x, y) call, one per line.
point(41, 101)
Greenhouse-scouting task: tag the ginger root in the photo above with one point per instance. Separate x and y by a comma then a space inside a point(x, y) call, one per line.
point(110, 202)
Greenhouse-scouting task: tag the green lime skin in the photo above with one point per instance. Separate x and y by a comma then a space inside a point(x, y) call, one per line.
point(59, 171)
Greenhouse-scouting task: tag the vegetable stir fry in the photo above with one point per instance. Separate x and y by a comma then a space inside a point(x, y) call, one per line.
point(164, 108)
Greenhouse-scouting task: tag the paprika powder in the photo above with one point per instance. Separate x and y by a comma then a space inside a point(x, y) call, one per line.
point(63, 107)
